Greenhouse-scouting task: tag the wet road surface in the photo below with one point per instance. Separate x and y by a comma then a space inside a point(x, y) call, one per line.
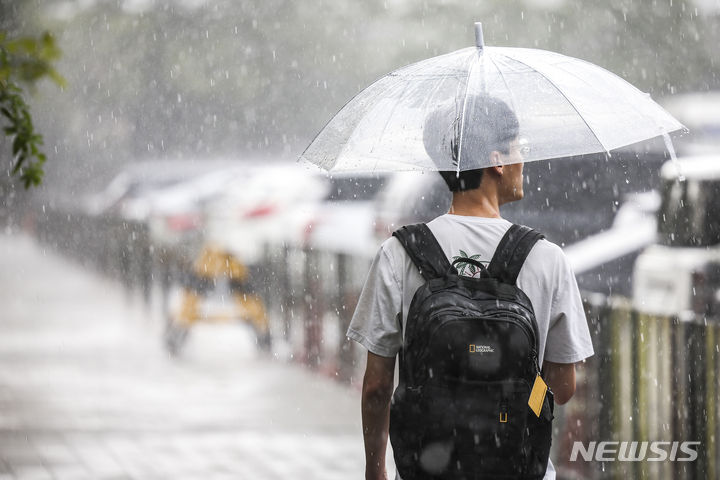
point(87, 391)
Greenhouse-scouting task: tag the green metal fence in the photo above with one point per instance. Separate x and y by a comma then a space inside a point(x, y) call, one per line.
point(653, 379)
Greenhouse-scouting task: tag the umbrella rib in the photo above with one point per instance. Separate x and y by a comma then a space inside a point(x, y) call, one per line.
point(462, 120)
point(426, 101)
point(639, 112)
point(512, 98)
point(568, 100)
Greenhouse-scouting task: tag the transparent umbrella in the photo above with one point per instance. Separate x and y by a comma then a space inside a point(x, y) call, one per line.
point(419, 117)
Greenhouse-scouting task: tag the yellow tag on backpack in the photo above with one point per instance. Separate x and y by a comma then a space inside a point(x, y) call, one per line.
point(537, 395)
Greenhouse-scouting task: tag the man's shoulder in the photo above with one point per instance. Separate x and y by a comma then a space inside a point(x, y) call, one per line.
point(393, 252)
point(546, 247)
point(545, 262)
point(391, 245)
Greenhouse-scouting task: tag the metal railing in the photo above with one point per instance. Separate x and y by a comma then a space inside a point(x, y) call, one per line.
point(119, 249)
point(652, 379)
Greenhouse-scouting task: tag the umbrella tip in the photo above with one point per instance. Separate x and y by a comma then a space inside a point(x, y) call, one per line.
point(479, 42)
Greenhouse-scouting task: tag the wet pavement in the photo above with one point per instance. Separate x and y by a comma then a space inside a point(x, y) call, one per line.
point(88, 392)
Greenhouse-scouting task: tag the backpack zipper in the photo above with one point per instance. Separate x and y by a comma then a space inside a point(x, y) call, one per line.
point(503, 410)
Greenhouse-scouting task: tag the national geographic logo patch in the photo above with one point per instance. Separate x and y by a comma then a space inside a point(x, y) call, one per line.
point(481, 349)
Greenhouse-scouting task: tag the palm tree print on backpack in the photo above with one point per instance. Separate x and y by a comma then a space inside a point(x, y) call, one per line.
point(465, 268)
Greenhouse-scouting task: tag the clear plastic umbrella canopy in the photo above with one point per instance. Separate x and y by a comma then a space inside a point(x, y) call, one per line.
point(446, 112)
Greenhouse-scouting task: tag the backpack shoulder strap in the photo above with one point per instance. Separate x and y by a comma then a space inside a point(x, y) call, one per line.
point(424, 250)
point(511, 253)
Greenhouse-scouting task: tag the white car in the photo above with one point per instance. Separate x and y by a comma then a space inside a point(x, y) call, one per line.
point(680, 275)
point(125, 195)
point(293, 205)
point(343, 222)
point(175, 214)
point(273, 206)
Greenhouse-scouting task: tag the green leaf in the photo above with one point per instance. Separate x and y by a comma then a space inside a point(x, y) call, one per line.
point(25, 44)
point(18, 145)
point(57, 78)
point(25, 59)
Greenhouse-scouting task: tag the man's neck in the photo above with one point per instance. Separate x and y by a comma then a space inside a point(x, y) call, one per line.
point(475, 203)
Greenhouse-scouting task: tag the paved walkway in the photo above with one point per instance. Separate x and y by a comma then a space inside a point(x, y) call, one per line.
point(87, 392)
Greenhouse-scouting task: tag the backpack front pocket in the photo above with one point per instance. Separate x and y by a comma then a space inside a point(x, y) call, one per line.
point(462, 430)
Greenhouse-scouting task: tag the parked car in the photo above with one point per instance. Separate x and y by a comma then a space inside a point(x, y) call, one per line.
point(274, 205)
point(122, 197)
point(342, 222)
point(175, 215)
point(681, 273)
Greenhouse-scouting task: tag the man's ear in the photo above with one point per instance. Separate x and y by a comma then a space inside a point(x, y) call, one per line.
point(496, 162)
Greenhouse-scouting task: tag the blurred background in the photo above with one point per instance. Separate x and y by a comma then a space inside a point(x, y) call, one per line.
point(178, 285)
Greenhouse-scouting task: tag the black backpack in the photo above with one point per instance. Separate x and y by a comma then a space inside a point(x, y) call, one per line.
point(467, 367)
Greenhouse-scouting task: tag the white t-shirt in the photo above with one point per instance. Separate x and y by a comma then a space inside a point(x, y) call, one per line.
point(546, 278)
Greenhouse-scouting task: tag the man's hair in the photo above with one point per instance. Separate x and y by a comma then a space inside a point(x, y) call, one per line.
point(489, 125)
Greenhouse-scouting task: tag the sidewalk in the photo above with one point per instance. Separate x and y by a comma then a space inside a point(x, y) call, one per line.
point(87, 391)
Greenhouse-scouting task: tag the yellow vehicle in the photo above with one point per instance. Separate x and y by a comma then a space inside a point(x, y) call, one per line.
point(216, 290)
